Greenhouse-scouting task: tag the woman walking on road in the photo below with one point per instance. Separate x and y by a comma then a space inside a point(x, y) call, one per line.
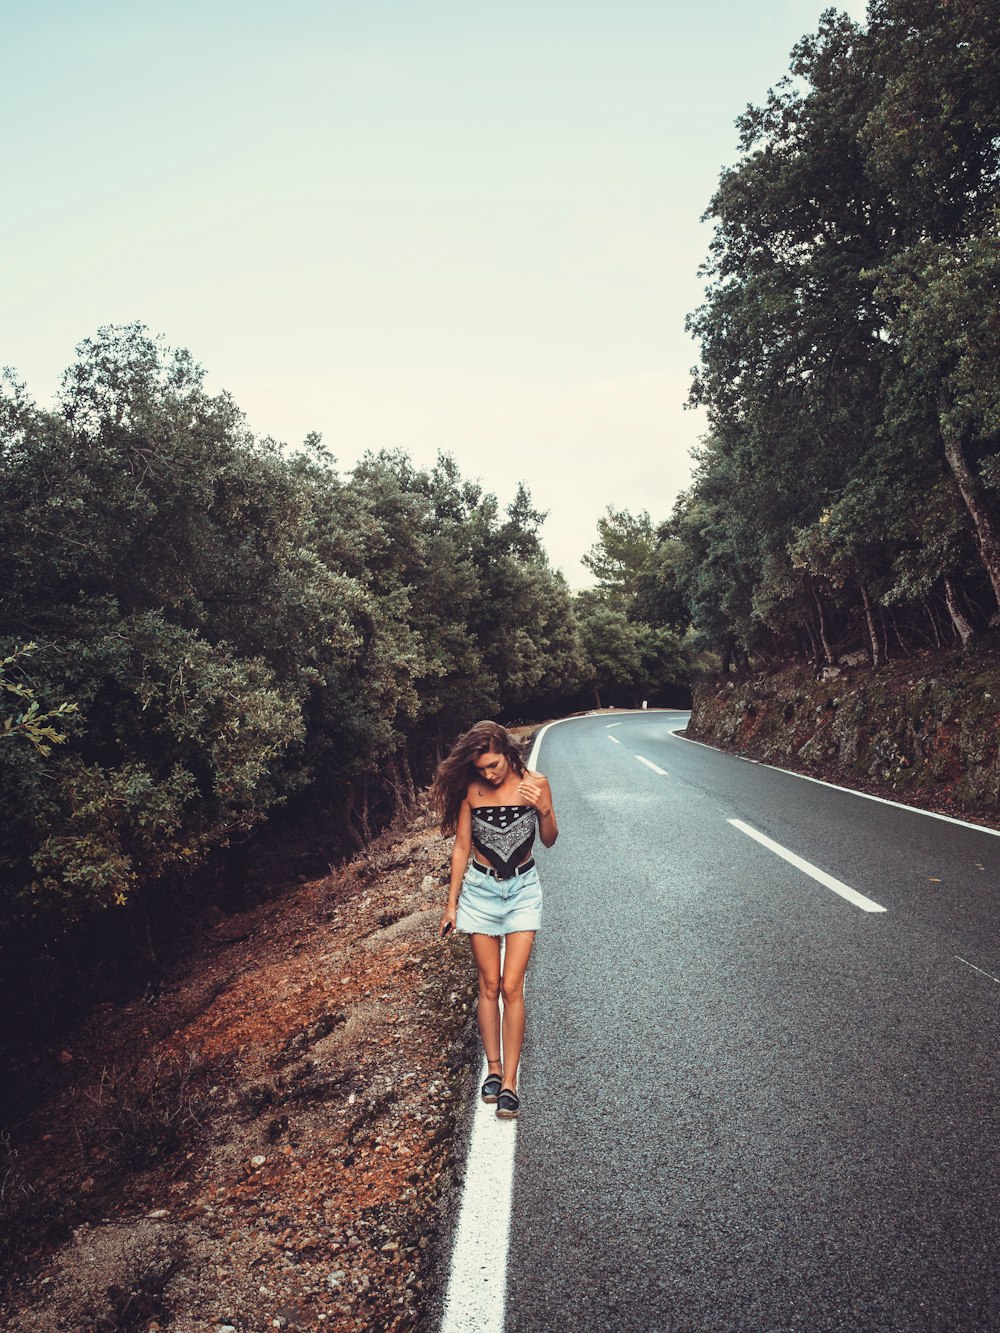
point(494, 806)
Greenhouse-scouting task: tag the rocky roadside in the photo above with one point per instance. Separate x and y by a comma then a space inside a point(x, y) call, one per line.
point(924, 730)
point(270, 1141)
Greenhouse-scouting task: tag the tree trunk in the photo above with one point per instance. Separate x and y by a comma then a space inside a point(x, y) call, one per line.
point(359, 812)
point(987, 534)
point(350, 839)
point(962, 626)
point(597, 696)
point(393, 784)
point(934, 625)
point(407, 772)
point(824, 640)
point(872, 633)
point(904, 647)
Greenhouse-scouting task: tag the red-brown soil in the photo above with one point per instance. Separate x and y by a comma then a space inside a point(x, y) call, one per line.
point(267, 1142)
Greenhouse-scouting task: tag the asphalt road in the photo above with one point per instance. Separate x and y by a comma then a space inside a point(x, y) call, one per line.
point(748, 1104)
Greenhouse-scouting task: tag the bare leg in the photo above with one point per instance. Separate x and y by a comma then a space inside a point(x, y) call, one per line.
point(486, 952)
point(515, 961)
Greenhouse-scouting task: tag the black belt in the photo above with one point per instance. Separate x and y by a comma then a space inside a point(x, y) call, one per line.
point(499, 874)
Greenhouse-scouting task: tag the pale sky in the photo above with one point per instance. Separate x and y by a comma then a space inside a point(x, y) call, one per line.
point(425, 225)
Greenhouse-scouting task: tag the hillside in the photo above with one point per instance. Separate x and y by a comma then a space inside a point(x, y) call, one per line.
point(265, 1142)
point(924, 730)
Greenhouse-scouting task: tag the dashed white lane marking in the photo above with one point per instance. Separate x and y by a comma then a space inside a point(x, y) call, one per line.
point(821, 877)
point(612, 724)
point(978, 969)
point(476, 1298)
point(615, 739)
point(649, 764)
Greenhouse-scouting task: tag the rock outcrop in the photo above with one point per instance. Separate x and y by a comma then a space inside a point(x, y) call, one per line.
point(925, 731)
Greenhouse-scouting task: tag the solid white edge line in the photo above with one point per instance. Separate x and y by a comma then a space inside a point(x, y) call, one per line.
point(978, 969)
point(851, 791)
point(477, 1282)
point(649, 764)
point(476, 1298)
point(821, 877)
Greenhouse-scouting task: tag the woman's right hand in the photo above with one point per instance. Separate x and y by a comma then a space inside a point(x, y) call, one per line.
point(447, 922)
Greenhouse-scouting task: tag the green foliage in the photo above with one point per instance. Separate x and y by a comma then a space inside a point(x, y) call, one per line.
point(849, 346)
point(630, 625)
point(216, 625)
point(31, 724)
point(624, 546)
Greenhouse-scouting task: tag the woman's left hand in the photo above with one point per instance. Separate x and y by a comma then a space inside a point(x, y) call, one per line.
point(534, 791)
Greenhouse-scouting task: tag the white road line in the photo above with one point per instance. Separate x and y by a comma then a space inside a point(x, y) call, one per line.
point(649, 764)
point(615, 739)
point(821, 877)
point(979, 970)
point(477, 1286)
point(612, 724)
point(476, 1298)
point(851, 791)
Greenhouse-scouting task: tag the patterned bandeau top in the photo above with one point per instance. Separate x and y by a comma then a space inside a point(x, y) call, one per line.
point(503, 834)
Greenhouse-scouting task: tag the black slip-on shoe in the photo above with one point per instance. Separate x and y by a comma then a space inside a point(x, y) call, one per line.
point(508, 1104)
point(491, 1089)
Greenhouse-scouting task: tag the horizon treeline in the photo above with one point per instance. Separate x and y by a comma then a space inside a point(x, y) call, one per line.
point(845, 498)
point(199, 627)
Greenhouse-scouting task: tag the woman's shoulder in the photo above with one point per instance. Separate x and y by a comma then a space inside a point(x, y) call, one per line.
point(535, 777)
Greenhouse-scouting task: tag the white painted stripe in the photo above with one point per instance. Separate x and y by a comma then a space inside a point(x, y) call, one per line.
point(615, 739)
point(475, 1301)
point(649, 764)
point(537, 745)
point(979, 970)
point(851, 791)
point(821, 877)
point(612, 724)
point(477, 1286)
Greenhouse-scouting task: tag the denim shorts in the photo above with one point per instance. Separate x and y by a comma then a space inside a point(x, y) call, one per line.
point(488, 906)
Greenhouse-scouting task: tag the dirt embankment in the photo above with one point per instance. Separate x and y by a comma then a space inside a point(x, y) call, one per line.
point(266, 1142)
point(925, 731)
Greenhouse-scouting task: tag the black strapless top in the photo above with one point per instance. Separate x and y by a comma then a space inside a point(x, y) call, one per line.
point(503, 834)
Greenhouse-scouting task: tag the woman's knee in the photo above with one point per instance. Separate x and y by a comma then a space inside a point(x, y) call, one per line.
point(512, 988)
point(489, 988)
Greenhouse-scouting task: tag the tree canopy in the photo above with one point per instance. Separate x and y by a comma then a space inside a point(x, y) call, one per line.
point(845, 496)
point(199, 628)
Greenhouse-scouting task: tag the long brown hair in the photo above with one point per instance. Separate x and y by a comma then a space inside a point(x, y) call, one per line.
point(456, 771)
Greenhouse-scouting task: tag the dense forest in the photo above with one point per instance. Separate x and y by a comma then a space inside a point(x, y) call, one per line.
point(199, 628)
point(845, 499)
point(202, 630)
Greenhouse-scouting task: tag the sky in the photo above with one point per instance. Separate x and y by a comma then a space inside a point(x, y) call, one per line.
point(416, 224)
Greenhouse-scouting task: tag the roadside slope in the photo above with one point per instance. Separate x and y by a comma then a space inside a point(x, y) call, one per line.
point(924, 731)
point(266, 1142)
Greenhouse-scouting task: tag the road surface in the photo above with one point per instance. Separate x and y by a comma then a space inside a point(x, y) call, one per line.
point(750, 1102)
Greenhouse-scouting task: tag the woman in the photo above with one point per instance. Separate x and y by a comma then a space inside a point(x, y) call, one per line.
point(494, 806)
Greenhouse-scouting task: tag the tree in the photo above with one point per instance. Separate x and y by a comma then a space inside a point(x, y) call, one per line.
point(220, 627)
point(849, 339)
point(612, 643)
point(625, 545)
point(942, 298)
